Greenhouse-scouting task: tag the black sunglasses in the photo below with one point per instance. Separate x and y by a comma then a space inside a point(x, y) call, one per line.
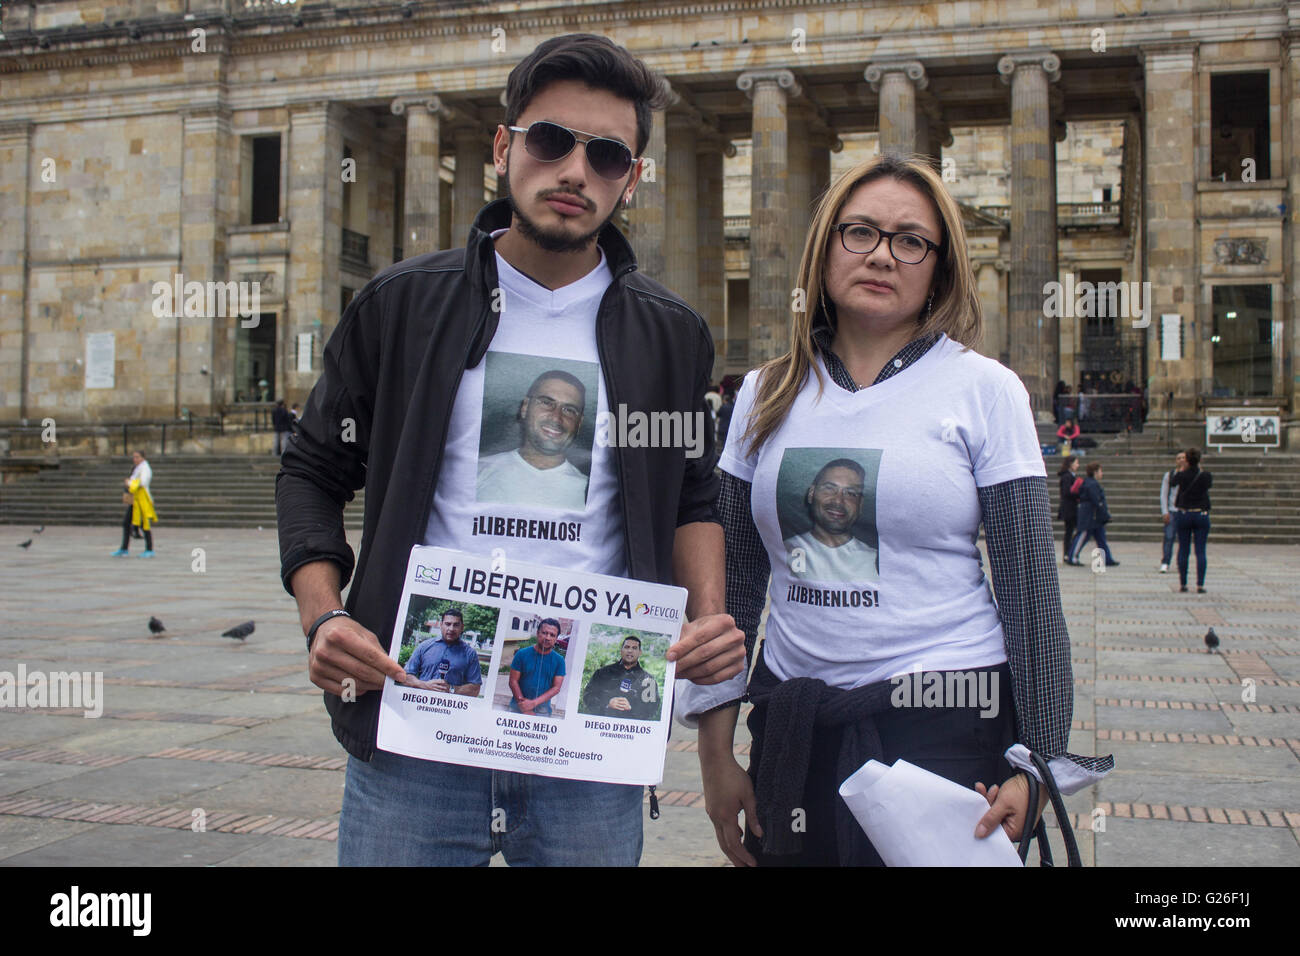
point(549, 142)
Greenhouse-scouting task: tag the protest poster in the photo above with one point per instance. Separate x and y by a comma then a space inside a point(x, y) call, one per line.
point(519, 666)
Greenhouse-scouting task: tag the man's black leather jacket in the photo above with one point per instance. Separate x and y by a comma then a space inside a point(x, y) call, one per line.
point(379, 413)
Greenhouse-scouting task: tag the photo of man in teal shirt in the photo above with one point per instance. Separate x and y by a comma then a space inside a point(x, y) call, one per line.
point(537, 672)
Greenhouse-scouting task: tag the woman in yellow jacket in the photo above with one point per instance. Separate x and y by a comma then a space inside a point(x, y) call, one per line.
point(139, 506)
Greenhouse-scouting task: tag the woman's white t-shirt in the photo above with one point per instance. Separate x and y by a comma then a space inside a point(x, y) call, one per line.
point(867, 505)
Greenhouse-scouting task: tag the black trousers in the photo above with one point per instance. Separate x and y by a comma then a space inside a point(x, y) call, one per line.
point(954, 742)
point(1069, 536)
point(126, 532)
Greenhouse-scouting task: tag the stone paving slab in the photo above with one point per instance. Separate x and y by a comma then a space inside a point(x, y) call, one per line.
point(182, 730)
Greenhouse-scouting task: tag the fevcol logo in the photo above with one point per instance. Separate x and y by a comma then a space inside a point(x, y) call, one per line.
point(431, 575)
point(657, 610)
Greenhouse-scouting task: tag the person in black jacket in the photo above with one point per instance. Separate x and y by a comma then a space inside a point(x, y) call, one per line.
point(623, 688)
point(1093, 515)
point(282, 422)
point(1068, 508)
point(398, 409)
point(1192, 515)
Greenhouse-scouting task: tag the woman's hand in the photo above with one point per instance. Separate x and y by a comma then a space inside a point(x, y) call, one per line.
point(727, 791)
point(1008, 805)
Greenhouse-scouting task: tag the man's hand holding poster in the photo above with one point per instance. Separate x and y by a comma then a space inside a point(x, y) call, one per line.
point(518, 666)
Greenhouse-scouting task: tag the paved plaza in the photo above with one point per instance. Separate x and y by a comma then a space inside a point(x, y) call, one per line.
point(200, 727)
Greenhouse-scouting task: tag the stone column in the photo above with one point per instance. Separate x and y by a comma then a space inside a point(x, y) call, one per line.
point(647, 216)
point(1033, 223)
point(1286, 310)
point(15, 153)
point(209, 190)
point(315, 209)
point(1170, 220)
point(711, 241)
point(990, 281)
point(423, 132)
point(820, 147)
point(769, 254)
point(799, 175)
point(467, 196)
point(896, 83)
point(681, 193)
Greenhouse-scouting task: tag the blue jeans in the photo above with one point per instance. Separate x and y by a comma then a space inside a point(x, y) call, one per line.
point(1171, 531)
point(1191, 524)
point(1098, 534)
point(400, 811)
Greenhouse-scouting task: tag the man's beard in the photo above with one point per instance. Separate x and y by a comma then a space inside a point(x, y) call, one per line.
point(551, 241)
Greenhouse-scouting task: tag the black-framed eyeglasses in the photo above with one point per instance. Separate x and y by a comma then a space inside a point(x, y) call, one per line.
point(907, 247)
point(549, 142)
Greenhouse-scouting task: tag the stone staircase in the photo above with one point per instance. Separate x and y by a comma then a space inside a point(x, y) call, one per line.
point(230, 491)
point(1254, 494)
point(1253, 497)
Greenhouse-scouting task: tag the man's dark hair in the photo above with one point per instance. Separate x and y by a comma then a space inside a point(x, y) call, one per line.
point(563, 377)
point(631, 637)
point(596, 61)
point(848, 463)
point(140, 452)
point(1092, 468)
point(551, 621)
point(1193, 457)
point(452, 612)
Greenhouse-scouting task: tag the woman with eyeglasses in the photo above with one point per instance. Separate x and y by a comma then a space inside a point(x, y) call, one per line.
point(859, 468)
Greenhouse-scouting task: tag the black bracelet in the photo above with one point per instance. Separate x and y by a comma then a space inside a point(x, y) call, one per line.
point(321, 620)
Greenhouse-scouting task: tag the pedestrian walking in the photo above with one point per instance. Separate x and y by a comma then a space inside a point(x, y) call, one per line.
point(138, 500)
point(1068, 507)
point(282, 422)
point(1093, 515)
point(1192, 514)
point(1168, 493)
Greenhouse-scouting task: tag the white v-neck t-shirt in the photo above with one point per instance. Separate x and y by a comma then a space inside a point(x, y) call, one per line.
point(906, 455)
point(488, 496)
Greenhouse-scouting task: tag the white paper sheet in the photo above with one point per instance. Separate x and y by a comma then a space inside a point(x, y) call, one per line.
point(917, 818)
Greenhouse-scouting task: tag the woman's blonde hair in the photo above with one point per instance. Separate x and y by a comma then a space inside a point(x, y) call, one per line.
point(955, 309)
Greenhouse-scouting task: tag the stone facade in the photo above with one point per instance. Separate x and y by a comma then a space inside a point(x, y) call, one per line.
point(129, 133)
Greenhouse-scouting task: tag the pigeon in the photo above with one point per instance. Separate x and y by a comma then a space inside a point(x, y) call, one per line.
point(26, 544)
point(38, 530)
point(1211, 641)
point(156, 626)
point(240, 631)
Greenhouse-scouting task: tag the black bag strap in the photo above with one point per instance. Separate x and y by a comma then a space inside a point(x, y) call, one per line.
point(1062, 818)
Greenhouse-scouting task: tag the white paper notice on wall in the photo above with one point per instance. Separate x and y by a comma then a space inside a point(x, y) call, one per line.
point(305, 342)
point(1171, 337)
point(99, 360)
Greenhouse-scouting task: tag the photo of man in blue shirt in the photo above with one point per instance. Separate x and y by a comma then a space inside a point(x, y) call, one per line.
point(445, 663)
point(537, 672)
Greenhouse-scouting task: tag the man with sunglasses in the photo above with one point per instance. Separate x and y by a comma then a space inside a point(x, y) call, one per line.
point(398, 408)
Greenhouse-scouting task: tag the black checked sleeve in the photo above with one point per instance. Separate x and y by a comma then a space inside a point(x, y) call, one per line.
point(748, 566)
point(1022, 558)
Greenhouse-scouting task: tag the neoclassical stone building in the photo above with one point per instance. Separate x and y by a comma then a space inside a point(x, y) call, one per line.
point(306, 145)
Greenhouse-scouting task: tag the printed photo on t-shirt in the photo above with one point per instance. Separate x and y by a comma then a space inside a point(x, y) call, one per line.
point(534, 663)
point(826, 506)
point(447, 647)
point(623, 673)
point(537, 430)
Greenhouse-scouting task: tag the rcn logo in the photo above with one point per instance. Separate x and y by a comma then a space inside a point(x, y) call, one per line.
point(431, 575)
point(656, 610)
